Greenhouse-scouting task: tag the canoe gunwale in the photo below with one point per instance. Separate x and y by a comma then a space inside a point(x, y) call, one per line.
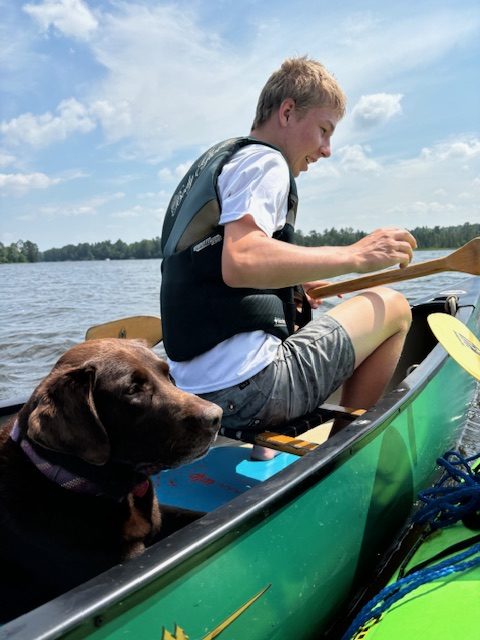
point(91, 598)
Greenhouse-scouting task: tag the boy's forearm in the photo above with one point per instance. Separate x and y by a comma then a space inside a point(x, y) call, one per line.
point(251, 258)
point(264, 262)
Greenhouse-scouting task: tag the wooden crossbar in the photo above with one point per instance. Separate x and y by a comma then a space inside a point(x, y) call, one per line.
point(297, 446)
point(287, 444)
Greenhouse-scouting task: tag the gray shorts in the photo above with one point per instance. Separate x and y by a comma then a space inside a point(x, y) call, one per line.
point(308, 367)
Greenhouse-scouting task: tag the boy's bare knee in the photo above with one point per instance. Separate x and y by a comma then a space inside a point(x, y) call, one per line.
point(399, 308)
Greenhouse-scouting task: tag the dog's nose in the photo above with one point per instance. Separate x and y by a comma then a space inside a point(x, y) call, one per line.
point(211, 417)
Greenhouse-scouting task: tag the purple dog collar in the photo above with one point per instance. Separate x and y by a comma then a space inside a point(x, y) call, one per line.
point(62, 476)
point(53, 472)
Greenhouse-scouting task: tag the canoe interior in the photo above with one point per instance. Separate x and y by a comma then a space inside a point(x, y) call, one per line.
point(289, 539)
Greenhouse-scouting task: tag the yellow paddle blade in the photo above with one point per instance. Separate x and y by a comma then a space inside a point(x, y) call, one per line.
point(148, 328)
point(458, 341)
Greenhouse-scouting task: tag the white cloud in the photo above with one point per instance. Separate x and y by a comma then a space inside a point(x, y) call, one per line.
point(176, 174)
point(376, 109)
point(45, 129)
point(460, 150)
point(353, 158)
point(115, 118)
point(70, 17)
point(449, 163)
point(351, 162)
point(165, 174)
point(182, 169)
point(21, 182)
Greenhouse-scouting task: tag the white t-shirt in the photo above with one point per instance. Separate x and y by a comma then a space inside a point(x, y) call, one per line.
point(255, 181)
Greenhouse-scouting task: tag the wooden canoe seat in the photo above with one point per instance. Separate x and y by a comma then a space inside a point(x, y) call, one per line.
point(285, 438)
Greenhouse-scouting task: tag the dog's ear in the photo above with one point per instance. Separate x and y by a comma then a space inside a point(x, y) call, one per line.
point(65, 418)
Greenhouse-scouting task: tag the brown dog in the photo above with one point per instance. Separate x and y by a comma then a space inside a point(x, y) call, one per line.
point(75, 497)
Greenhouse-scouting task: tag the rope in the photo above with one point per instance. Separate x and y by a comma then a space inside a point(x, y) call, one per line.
point(455, 496)
point(446, 503)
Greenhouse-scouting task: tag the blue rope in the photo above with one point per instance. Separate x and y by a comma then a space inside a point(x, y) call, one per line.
point(445, 504)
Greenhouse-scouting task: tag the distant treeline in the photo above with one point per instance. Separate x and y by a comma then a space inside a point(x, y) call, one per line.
point(26, 251)
point(427, 237)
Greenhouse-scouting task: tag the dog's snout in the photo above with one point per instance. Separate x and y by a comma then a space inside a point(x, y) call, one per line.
point(211, 417)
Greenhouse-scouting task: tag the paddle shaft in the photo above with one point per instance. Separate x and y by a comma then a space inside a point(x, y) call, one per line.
point(465, 259)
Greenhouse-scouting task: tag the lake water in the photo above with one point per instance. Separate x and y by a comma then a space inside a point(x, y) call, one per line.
point(47, 307)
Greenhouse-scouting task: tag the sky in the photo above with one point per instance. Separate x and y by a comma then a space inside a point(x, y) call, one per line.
point(105, 104)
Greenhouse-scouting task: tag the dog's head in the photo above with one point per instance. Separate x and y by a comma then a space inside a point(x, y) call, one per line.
point(112, 400)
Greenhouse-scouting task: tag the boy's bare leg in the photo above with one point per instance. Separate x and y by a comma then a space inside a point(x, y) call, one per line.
point(262, 453)
point(377, 321)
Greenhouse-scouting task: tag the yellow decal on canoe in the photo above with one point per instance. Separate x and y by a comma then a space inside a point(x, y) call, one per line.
point(179, 633)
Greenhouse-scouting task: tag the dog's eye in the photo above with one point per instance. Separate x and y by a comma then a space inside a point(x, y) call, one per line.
point(134, 388)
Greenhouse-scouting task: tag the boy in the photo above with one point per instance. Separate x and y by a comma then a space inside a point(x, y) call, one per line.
point(230, 270)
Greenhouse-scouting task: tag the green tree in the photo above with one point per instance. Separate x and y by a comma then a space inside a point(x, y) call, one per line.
point(30, 251)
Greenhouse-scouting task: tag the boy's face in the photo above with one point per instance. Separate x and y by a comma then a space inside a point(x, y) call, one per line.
point(307, 136)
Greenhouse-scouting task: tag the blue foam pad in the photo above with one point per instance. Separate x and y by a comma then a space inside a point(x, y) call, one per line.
point(220, 476)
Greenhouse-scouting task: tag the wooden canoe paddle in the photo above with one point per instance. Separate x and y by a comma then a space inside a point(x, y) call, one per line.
point(458, 341)
point(465, 259)
point(148, 328)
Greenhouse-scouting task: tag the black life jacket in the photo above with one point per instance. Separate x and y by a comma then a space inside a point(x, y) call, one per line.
point(198, 309)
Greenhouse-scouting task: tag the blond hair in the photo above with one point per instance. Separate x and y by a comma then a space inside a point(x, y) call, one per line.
point(305, 81)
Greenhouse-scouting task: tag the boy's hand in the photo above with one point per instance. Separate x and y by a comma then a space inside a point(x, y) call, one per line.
point(315, 302)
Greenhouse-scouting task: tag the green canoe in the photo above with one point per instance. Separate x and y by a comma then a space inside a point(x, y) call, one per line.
point(284, 544)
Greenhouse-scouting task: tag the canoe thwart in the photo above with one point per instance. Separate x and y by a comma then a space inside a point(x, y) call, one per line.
point(286, 444)
point(285, 437)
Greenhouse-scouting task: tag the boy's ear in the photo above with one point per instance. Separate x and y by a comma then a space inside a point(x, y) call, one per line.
point(285, 110)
